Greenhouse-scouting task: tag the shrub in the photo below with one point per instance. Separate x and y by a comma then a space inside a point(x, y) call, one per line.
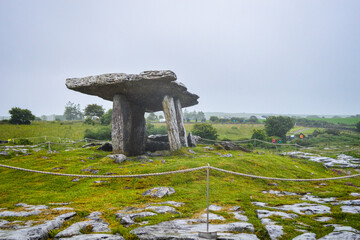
point(205, 130)
point(103, 133)
point(21, 116)
point(23, 141)
point(106, 118)
point(259, 134)
point(358, 126)
point(333, 131)
point(89, 121)
point(151, 129)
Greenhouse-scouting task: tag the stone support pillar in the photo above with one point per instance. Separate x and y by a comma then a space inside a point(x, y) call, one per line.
point(171, 122)
point(180, 122)
point(128, 127)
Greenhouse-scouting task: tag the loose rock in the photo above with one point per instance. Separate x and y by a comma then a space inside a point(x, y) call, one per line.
point(159, 192)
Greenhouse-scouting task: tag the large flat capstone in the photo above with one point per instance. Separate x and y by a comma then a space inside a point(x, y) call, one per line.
point(146, 89)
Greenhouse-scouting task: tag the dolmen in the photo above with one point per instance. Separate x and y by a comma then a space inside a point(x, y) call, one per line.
point(132, 96)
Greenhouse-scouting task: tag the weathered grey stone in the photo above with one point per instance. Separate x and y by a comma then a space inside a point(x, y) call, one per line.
point(323, 219)
point(214, 207)
point(146, 89)
point(280, 193)
point(355, 194)
point(128, 218)
point(89, 169)
point(266, 213)
point(119, 158)
point(305, 208)
point(274, 231)
point(191, 140)
point(309, 197)
point(171, 123)
point(306, 236)
point(191, 151)
point(153, 146)
point(38, 232)
point(159, 192)
point(348, 202)
point(173, 203)
point(180, 122)
point(212, 216)
point(159, 138)
point(94, 237)
point(240, 217)
point(259, 204)
point(350, 209)
point(106, 147)
point(342, 161)
point(342, 232)
point(239, 236)
point(187, 229)
point(227, 155)
point(162, 209)
point(19, 214)
point(63, 209)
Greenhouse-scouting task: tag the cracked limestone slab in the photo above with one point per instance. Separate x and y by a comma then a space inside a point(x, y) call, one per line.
point(309, 197)
point(342, 232)
point(94, 237)
point(266, 213)
point(305, 208)
point(239, 216)
point(306, 236)
point(351, 209)
point(128, 218)
point(187, 229)
point(212, 216)
point(97, 224)
point(36, 232)
point(274, 231)
point(162, 209)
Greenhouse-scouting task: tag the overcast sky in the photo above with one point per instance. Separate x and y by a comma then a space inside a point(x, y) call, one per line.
point(296, 57)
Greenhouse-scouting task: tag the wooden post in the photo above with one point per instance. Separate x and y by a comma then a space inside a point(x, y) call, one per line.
point(180, 122)
point(171, 122)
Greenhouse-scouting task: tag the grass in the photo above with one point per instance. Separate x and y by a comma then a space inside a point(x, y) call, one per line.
point(225, 190)
point(115, 194)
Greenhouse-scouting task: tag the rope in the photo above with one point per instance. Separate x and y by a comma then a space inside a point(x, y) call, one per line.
point(178, 171)
point(105, 176)
point(250, 140)
point(283, 179)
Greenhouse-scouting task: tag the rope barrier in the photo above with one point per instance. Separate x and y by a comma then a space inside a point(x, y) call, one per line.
point(177, 171)
point(104, 176)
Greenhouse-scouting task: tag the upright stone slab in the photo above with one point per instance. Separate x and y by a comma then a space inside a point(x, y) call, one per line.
point(121, 126)
point(171, 123)
point(180, 122)
point(128, 127)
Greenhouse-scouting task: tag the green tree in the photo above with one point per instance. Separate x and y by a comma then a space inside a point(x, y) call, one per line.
point(358, 126)
point(106, 118)
point(259, 134)
point(92, 110)
point(278, 126)
point(214, 119)
point(72, 111)
point(20, 116)
point(152, 117)
point(253, 119)
point(205, 130)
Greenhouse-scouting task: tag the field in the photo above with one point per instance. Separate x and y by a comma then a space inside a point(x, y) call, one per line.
point(349, 121)
point(226, 190)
